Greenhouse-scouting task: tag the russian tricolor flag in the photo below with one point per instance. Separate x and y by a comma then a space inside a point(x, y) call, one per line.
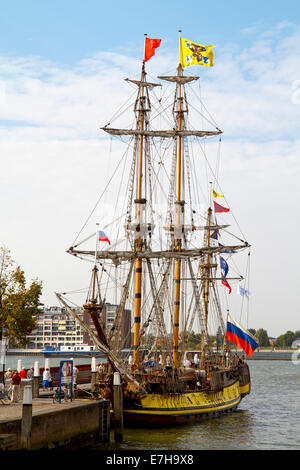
point(240, 336)
point(103, 237)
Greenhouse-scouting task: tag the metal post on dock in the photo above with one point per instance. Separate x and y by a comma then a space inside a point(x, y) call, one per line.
point(93, 374)
point(19, 366)
point(104, 421)
point(118, 408)
point(36, 380)
point(26, 424)
point(3, 345)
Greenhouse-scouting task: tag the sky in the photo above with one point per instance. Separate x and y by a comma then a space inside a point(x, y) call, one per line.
point(62, 70)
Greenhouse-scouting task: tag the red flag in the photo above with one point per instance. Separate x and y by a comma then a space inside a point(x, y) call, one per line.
point(150, 46)
point(219, 208)
point(225, 283)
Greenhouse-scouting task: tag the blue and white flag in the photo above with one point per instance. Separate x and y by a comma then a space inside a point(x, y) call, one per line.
point(224, 266)
point(242, 291)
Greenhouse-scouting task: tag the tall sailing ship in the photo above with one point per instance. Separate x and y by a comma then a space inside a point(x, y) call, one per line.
point(166, 257)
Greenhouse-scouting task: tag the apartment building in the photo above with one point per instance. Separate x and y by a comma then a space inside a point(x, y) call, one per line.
point(56, 327)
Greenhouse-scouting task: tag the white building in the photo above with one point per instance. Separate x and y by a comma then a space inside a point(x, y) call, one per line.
point(56, 328)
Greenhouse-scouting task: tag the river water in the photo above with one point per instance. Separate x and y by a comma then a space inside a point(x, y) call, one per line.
point(267, 419)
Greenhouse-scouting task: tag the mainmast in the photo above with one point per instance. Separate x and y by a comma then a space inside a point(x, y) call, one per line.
point(139, 241)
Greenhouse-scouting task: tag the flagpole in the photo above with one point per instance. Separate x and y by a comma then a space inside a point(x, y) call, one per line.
point(248, 278)
point(145, 35)
point(225, 341)
point(210, 195)
point(96, 248)
point(179, 31)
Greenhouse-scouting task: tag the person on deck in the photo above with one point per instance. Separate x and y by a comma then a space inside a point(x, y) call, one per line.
point(196, 361)
point(187, 362)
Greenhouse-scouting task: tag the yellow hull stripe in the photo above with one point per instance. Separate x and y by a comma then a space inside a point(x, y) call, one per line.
point(245, 389)
point(189, 403)
point(183, 412)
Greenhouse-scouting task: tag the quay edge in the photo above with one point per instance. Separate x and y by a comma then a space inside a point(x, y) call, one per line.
point(66, 426)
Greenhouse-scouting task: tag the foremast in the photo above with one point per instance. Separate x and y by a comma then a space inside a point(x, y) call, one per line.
point(180, 209)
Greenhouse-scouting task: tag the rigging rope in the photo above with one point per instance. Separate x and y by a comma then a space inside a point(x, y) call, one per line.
point(103, 192)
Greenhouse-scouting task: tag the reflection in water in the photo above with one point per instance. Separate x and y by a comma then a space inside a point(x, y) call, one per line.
point(233, 431)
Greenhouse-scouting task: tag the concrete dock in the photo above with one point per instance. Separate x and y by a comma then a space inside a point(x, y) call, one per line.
point(82, 422)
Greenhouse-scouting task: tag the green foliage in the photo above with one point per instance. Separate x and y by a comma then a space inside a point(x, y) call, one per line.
point(262, 337)
point(19, 305)
point(287, 339)
point(194, 340)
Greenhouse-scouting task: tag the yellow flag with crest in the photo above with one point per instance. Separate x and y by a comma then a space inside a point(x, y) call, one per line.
point(195, 54)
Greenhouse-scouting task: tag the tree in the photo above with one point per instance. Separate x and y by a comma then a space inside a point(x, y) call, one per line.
point(287, 339)
point(262, 337)
point(194, 340)
point(19, 305)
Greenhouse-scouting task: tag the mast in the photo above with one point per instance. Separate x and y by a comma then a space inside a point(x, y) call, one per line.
point(180, 209)
point(139, 241)
point(207, 268)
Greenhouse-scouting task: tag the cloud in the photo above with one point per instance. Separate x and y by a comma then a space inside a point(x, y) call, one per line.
point(55, 161)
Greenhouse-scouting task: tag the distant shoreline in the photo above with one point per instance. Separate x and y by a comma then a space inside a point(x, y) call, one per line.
point(262, 354)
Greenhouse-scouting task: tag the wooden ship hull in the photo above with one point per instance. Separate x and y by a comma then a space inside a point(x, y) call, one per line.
point(167, 409)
